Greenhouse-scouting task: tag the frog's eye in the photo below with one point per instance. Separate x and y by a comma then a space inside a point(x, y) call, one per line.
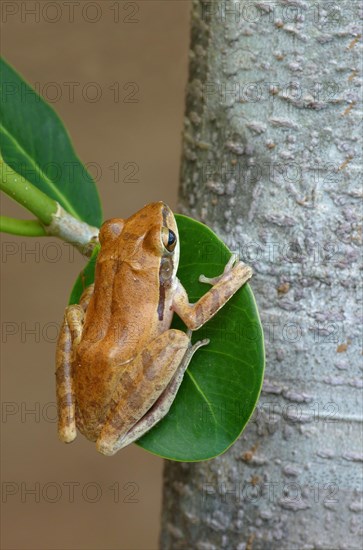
point(169, 239)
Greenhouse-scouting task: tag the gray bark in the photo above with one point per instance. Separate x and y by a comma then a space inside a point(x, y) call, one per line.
point(270, 162)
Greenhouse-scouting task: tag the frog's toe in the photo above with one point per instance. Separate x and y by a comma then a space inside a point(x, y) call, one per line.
point(67, 434)
point(105, 447)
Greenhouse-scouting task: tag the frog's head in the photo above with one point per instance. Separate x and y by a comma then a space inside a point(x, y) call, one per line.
point(150, 234)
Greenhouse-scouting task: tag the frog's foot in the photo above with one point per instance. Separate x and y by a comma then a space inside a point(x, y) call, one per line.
point(193, 348)
point(229, 266)
point(114, 436)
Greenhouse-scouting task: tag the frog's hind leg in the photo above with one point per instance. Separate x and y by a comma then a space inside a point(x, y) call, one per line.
point(146, 395)
point(86, 297)
point(69, 337)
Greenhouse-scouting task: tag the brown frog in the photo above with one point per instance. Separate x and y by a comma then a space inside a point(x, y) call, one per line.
point(119, 365)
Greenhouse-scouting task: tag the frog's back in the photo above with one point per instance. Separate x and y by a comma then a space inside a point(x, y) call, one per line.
point(130, 305)
point(121, 319)
point(124, 313)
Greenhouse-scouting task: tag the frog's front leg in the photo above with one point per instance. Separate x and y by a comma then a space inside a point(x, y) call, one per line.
point(148, 391)
point(69, 338)
point(195, 315)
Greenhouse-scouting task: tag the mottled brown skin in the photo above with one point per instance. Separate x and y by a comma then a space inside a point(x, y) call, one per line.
point(119, 365)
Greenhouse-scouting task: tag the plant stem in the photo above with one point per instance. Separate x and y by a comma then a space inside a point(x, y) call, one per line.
point(73, 231)
point(28, 228)
point(26, 194)
point(53, 219)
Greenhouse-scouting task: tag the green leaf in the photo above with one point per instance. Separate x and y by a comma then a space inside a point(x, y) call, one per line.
point(223, 382)
point(85, 278)
point(36, 145)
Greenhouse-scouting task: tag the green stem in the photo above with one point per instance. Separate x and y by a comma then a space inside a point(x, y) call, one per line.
point(27, 228)
point(26, 194)
point(53, 219)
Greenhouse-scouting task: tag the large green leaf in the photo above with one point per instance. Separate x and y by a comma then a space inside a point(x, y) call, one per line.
point(223, 382)
point(36, 145)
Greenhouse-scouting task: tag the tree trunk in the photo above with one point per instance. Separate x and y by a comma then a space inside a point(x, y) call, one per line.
point(270, 162)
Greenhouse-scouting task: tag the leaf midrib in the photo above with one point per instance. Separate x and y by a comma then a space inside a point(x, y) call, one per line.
point(199, 389)
point(68, 206)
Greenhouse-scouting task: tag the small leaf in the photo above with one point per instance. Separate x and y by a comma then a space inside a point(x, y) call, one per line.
point(85, 278)
point(36, 145)
point(223, 382)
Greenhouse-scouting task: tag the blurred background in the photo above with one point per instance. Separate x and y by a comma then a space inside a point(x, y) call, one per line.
point(115, 72)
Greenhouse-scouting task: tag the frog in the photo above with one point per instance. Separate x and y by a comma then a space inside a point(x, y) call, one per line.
point(119, 365)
